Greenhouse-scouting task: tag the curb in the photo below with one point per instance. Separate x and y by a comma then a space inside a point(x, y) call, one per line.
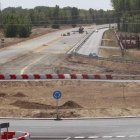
point(61, 119)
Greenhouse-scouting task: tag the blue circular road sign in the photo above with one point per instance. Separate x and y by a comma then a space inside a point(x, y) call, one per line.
point(57, 94)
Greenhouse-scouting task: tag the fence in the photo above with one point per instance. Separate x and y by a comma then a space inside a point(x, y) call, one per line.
point(124, 44)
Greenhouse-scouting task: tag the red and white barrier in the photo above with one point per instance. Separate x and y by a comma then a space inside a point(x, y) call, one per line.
point(15, 136)
point(55, 76)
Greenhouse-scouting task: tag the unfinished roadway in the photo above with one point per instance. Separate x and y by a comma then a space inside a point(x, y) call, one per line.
point(39, 55)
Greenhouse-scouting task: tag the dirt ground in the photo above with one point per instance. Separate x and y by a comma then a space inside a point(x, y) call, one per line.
point(80, 65)
point(79, 99)
point(133, 54)
point(36, 32)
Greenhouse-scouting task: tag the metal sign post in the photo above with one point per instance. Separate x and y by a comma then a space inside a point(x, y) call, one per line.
point(57, 95)
point(4, 125)
point(57, 108)
point(7, 134)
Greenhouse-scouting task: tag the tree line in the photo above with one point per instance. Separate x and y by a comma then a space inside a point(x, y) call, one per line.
point(17, 21)
point(128, 15)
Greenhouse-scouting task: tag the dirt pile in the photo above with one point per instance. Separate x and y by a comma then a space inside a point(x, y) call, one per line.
point(3, 95)
point(70, 105)
point(31, 105)
point(20, 94)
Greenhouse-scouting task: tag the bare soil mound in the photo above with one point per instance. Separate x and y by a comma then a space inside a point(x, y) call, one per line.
point(20, 94)
point(53, 115)
point(31, 105)
point(70, 105)
point(3, 95)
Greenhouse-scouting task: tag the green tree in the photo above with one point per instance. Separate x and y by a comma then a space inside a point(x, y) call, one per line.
point(55, 14)
point(11, 26)
point(75, 16)
point(125, 22)
point(122, 7)
point(24, 28)
point(15, 25)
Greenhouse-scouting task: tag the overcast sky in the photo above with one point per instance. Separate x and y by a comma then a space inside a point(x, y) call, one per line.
point(83, 4)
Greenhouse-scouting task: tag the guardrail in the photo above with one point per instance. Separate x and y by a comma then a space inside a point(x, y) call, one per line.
point(78, 44)
point(126, 76)
point(61, 77)
point(81, 43)
point(85, 39)
point(54, 76)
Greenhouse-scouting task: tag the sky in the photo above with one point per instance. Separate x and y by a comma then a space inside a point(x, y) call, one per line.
point(81, 4)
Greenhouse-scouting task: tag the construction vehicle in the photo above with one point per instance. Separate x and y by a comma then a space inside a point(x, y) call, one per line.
point(81, 30)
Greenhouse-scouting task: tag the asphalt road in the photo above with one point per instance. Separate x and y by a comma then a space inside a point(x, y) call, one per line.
point(93, 44)
point(121, 128)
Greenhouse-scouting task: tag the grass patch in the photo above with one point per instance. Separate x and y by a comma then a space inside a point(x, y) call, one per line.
point(109, 39)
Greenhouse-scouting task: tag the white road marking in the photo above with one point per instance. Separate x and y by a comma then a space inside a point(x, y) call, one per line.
point(107, 136)
point(120, 136)
point(22, 71)
point(67, 138)
point(93, 137)
point(133, 136)
point(80, 137)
